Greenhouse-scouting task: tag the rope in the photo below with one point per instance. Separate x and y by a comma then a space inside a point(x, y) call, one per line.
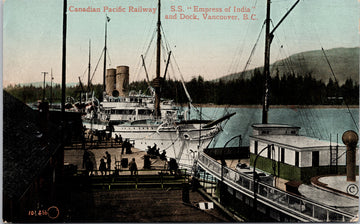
point(236, 60)
point(253, 50)
point(333, 73)
point(97, 64)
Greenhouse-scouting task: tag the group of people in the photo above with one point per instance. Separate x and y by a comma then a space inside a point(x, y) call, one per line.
point(105, 161)
point(118, 139)
point(103, 168)
point(154, 151)
point(88, 164)
point(126, 145)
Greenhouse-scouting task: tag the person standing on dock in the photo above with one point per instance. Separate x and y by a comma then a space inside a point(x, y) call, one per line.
point(133, 167)
point(120, 140)
point(116, 138)
point(102, 166)
point(86, 157)
point(108, 161)
point(123, 147)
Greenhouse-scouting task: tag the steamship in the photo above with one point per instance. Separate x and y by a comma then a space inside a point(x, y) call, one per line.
point(148, 120)
point(132, 116)
point(120, 106)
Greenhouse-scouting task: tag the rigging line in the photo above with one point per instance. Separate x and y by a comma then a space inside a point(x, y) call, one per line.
point(102, 53)
point(149, 32)
point(167, 44)
point(108, 53)
point(332, 71)
point(84, 73)
point(146, 53)
point(236, 60)
point(287, 57)
point(253, 50)
point(316, 124)
point(152, 35)
point(182, 79)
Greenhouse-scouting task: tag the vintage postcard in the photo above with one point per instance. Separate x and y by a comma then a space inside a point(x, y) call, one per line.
point(180, 111)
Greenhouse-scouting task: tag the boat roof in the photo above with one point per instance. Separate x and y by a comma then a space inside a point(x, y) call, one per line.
point(297, 142)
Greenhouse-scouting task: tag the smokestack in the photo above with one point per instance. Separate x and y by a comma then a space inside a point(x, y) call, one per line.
point(110, 81)
point(350, 139)
point(122, 80)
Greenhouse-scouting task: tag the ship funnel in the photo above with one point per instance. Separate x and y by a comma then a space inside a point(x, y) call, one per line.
point(110, 81)
point(122, 80)
point(350, 139)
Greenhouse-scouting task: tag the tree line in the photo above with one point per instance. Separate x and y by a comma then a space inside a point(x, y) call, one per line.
point(288, 89)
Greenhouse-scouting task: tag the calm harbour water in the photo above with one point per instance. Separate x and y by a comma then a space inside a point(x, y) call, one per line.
point(321, 123)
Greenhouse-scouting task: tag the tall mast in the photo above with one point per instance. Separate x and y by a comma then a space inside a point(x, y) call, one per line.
point(107, 19)
point(63, 64)
point(157, 80)
point(89, 68)
point(268, 39)
point(266, 64)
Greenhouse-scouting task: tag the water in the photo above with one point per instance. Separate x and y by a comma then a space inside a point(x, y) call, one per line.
point(321, 123)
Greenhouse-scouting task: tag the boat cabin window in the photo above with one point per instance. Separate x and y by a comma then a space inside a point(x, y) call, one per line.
point(126, 112)
point(144, 112)
point(269, 152)
point(282, 155)
point(256, 147)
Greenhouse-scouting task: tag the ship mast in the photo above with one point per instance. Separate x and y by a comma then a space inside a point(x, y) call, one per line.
point(158, 80)
point(107, 19)
point(89, 67)
point(268, 39)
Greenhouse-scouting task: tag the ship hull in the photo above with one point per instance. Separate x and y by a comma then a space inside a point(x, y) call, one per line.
point(180, 143)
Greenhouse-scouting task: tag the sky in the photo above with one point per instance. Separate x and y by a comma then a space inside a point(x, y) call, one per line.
point(32, 36)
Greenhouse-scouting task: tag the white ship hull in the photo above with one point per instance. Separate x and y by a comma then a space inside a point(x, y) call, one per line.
point(179, 142)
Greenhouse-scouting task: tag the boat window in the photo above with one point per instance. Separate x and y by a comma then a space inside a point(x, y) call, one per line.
point(269, 152)
point(144, 112)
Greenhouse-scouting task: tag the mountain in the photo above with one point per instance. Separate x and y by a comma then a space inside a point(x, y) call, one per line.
point(344, 62)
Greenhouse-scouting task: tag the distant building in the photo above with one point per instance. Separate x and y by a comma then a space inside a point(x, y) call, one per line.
point(284, 153)
point(32, 164)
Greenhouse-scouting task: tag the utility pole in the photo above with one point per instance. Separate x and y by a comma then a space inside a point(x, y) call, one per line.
point(43, 99)
point(51, 87)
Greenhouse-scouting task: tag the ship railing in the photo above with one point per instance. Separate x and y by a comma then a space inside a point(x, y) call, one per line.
point(298, 207)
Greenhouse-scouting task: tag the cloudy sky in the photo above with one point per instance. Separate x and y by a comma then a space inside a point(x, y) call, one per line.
point(32, 36)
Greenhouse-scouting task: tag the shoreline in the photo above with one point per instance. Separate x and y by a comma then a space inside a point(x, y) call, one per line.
point(276, 106)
